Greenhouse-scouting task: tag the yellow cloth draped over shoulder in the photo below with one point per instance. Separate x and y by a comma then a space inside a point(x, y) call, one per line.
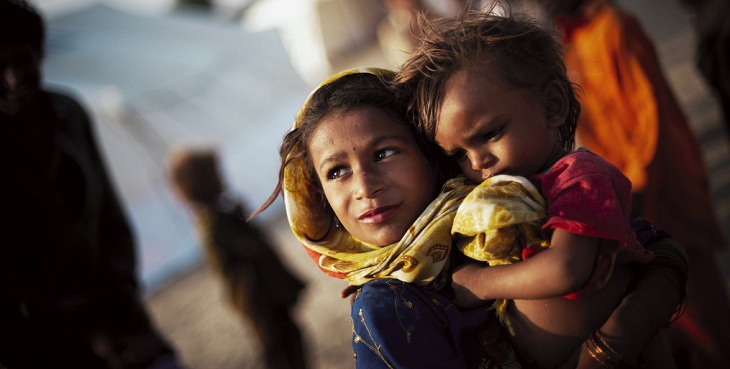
point(507, 212)
point(499, 218)
point(496, 221)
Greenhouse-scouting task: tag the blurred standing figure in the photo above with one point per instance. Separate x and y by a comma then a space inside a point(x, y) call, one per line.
point(712, 29)
point(399, 32)
point(69, 295)
point(631, 117)
point(200, 4)
point(259, 285)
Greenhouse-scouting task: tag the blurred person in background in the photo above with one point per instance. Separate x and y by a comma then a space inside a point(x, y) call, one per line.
point(69, 294)
point(631, 117)
point(712, 29)
point(259, 286)
point(195, 4)
point(399, 32)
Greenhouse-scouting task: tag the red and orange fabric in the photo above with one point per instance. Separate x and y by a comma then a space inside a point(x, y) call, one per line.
point(632, 118)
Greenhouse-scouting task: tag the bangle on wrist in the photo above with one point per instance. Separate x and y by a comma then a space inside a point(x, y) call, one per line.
point(601, 351)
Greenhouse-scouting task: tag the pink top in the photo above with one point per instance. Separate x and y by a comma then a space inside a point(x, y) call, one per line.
point(589, 196)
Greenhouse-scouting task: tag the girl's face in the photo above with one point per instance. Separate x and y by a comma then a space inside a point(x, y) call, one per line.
point(373, 173)
point(491, 129)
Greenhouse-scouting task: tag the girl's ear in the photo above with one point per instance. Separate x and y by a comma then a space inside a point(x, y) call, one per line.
point(556, 104)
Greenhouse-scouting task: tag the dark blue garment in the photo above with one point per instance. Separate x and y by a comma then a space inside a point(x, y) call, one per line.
point(399, 325)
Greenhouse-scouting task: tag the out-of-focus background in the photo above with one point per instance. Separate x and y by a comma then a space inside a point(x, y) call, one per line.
point(156, 75)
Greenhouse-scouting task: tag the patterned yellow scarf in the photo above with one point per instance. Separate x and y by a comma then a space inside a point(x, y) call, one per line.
point(499, 218)
point(419, 257)
point(496, 221)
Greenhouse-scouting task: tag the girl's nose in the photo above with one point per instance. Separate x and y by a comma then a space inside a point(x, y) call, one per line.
point(368, 184)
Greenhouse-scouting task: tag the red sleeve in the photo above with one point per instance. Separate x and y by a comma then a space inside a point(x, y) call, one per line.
point(587, 195)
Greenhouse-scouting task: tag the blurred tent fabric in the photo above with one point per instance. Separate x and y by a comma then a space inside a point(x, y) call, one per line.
point(155, 82)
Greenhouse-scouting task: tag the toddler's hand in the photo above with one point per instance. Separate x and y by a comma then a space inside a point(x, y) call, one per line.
point(463, 282)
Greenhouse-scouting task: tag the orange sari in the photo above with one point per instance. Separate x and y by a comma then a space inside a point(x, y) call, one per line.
point(631, 118)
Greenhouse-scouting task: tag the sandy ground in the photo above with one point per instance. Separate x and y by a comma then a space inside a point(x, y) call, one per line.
point(194, 314)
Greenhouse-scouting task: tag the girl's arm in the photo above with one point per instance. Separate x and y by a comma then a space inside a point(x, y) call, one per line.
point(656, 299)
point(561, 269)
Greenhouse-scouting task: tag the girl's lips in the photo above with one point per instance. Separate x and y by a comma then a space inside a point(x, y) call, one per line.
point(378, 215)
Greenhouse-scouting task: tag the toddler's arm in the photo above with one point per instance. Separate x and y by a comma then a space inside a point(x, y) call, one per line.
point(561, 269)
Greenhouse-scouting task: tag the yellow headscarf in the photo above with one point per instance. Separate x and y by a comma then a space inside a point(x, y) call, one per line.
point(419, 257)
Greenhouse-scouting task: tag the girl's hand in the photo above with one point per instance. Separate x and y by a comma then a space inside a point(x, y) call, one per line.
point(464, 282)
point(583, 359)
point(572, 361)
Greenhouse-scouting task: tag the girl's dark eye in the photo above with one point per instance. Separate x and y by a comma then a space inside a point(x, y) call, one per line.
point(337, 172)
point(382, 154)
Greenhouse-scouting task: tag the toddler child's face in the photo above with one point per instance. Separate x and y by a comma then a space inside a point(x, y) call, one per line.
point(373, 173)
point(491, 128)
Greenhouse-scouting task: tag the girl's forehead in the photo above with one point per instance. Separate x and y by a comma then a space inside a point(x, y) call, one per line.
point(365, 116)
point(357, 132)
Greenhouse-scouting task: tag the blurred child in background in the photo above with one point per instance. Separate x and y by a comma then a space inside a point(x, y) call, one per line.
point(260, 287)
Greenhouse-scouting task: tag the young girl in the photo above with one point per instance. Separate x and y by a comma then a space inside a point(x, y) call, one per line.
point(359, 188)
point(359, 193)
point(493, 93)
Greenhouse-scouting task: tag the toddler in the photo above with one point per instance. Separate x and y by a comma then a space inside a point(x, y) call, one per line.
point(493, 93)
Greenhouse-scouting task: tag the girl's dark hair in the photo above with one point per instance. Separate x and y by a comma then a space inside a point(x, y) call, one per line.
point(526, 53)
point(342, 95)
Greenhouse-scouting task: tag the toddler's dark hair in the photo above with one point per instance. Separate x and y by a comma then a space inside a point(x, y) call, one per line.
point(526, 53)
